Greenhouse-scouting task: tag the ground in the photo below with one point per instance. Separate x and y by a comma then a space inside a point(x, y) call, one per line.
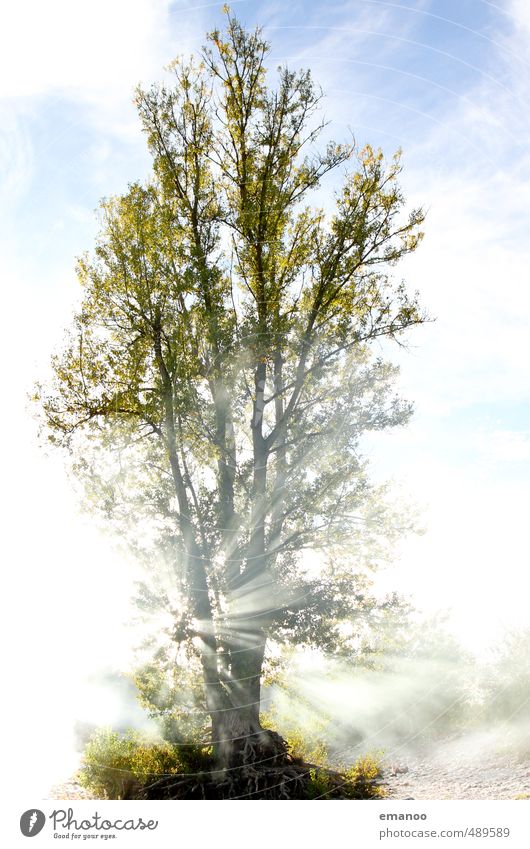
point(457, 768)
point(70, 789)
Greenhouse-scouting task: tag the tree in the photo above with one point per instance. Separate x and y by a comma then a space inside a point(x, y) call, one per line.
point(219, 374)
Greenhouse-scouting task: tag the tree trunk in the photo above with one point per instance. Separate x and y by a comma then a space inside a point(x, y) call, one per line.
point(239, 739)
point(243, 743)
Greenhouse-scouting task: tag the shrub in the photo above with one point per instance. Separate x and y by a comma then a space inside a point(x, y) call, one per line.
point(506, 681)
point(358, 781)
point(124, 766)
point(117, 765)
point(361, 779)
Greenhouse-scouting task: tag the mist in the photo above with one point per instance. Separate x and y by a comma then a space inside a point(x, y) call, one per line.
point(436, 702)
point(73, 654)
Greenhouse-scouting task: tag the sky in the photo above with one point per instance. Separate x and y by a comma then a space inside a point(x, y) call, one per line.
point(449, 83)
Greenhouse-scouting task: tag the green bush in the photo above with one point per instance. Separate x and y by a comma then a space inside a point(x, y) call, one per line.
point(506, 681)
point(117, 765)
point(359, 781)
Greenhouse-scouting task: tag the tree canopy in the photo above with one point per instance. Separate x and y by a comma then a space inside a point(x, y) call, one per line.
point(220, 373)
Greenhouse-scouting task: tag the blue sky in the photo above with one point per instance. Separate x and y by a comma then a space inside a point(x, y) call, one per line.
point(447, 81)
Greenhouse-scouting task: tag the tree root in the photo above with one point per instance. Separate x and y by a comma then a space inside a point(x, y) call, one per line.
point(266, 771)
point(249, 782)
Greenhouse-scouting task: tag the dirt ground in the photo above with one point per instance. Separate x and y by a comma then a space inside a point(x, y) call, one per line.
point(70, 789)
point(469, 767)
point(457, 769)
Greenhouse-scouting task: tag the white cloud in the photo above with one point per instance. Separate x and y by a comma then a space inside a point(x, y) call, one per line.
point(504, 446)
point(16, 156)
point(520, 11)
point(472, 560)
point(65, 45)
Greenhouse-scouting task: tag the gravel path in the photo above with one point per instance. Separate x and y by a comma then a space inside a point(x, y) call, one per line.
point(457, 769)
point(70, 789)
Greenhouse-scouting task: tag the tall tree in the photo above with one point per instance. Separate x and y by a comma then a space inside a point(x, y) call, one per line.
point(223, 346)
